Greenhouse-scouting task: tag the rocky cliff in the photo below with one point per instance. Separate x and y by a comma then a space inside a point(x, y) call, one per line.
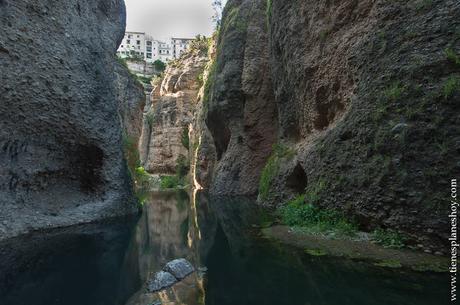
point(61, 159)
point(360, 98)
point(165, 134)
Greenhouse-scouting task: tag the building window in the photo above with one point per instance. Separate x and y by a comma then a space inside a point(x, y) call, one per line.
point(138, 42)
point(138, 48)
point(137, 36)
point(149, 43)
point(128, 41)
point(149, 55)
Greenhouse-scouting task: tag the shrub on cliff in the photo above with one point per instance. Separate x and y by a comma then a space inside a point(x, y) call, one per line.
point(271, 168)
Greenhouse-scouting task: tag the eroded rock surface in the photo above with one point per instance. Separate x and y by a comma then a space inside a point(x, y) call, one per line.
point(166, 123)
point(242, 109)
point(61, 159)
point(355, 94)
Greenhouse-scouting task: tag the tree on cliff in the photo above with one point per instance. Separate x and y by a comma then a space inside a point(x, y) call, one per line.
point(159, 65)
point(218, 7)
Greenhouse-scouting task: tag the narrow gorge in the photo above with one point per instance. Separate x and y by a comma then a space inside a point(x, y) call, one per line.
point(304, 144)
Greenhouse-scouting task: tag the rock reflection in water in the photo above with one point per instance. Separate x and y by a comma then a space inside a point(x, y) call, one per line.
point(245, 269)
point(109, 263)
point(167, 230)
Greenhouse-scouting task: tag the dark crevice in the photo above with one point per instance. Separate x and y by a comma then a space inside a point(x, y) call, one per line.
point(88, 166)
point(297, 180)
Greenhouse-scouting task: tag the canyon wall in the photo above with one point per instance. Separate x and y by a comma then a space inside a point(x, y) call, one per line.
point(165, 133)
point(61, 135)
point(357, 98)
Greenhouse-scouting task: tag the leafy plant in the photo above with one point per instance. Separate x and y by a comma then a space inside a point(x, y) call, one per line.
point(394, 92)
point(452, 56)
point(306, 215)
point(169, 182)
point(388, 238)
point(141, 176)
point(268, 12)
point(185, 138)
point(451, 86)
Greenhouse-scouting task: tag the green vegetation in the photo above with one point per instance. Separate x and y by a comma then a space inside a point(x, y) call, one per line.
point(389, 238)
point(451, 86)
point(136, 171)
point(182, 166)
point(268, 12)
point(144, 79)
point(200, 44)
point(122, 61)
point(141, 177)
point(315, 252)
point(323, 34)
point(393, 92)
point(314, 219)
point(178, 180)
point(452, 56)
point(389, 264)
point(150, 118)
point(169, 182)
point(233, 20)
point(271, 168)
point(185, 138)
point(131, 153)
point(159, 65)
point(212, 69)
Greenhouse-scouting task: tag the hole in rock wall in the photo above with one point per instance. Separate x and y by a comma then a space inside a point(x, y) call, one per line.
point(297, 180)
point(89, 163)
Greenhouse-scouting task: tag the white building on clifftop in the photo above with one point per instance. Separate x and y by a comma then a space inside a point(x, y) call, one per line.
point(141, 45)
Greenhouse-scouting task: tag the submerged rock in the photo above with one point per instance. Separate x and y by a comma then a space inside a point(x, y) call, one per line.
point(180, 268)
point(161, 280)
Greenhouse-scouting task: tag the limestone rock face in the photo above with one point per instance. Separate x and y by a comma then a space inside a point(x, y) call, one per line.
point(61, 159)
point(242, 109)
point(131, 101)
point(166, 122)
point(357, 95)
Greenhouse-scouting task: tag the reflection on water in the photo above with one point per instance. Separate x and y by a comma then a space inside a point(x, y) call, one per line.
point(108, 264)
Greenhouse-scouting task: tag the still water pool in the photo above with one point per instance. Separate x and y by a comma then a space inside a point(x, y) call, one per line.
point(108, 263)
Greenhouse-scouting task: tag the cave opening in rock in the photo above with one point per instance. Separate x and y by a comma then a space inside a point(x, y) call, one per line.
point(297, 180)
point(89, 165)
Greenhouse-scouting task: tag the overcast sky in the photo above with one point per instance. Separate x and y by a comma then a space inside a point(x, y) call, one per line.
point(166, 18)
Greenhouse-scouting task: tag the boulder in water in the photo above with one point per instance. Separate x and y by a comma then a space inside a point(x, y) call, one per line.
point(161, 280)
point(180, 268)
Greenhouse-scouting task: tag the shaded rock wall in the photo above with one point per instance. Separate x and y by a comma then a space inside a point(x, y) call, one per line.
point(241, 108)
point(61, 159)
point(360, 91)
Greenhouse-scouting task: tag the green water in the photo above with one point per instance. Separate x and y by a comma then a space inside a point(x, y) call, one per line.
point(107, 264)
